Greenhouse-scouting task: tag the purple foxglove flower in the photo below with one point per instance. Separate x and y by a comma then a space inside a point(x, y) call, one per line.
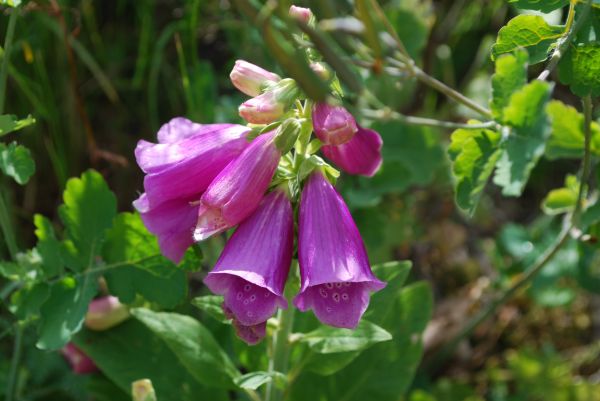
point(361, 155)
point(251, 335)
point(251, 79)
point(336, 279)
point(333, 125)
point(262, 109)
point(252, 270)
point(80, 363)
point(172, 222)
point(236, 192)
point(300, 13)
point(193, 156)
point(104, 313)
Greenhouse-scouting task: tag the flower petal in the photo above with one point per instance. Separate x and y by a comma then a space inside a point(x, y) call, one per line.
point(361, 155)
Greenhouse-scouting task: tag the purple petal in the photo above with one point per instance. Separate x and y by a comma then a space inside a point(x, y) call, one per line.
point(333, 125)
point(254, 265)
point(80, 363)
point(331, 252)
point(361, 155)
point(251, 335)
point(180, 128)
point(236, 192)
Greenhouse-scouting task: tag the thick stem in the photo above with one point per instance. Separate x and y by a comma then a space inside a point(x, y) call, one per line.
point(7, 229)
point(13, 375)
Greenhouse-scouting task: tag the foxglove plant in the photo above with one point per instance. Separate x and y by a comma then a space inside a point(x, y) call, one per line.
point(80, 363)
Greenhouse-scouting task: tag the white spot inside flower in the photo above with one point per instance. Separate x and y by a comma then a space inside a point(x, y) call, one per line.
point(247, 287)
point(338, 285)
point(267, 294)
point(323, 292)
point(329, 285)
point(246, 302)
point(328, 309)
point(252, 298)
point(346, 284)
point(249, 314)
point(239, 296)
point(336, 297)
point(345, 297)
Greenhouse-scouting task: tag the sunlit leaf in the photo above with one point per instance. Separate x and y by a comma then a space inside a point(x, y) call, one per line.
point(16, 162)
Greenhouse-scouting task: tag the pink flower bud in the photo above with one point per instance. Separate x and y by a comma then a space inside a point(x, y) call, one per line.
point(333, 125)
point(104, 313)
point(80, 363)
point(251, 79)
point(301, 14)
point(271, 105)
point(321, 71)
point(142, 390)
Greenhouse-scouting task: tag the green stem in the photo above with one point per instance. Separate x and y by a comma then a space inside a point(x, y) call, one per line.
point(11, 384)
point(7, 229)
point(12, 21)
point(387, 114)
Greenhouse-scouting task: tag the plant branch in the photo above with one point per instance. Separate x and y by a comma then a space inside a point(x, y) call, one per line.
point(387, 114)
point(10, 31)
point(11, 384)
point(7, 230)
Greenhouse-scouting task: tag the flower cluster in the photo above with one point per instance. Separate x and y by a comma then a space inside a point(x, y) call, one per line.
point(202, 180)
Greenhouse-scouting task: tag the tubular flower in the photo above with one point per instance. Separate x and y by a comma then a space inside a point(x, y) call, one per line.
point(105, 312)
point(336, 278)
point(236, 192)
point(333, 125)
point(251, 335)
point(80, 363)
point(254, 266)
point(361, 155)
point(251, 79)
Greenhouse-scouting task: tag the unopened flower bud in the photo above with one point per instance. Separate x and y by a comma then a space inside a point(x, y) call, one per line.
point(251, 79)
point(142, 390)
point(301, 14)
point(333, 125)
point(271, 105)
point(104, 313)
point(321, 71)
point(80, 363)
point(287, 134)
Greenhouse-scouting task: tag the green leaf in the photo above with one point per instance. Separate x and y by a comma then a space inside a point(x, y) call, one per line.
point(394, 274)
point(28, 300)
point(567, 139)
point(544, 6)
point(11, 3)
point(526, 115)
point(88, 210)
point(16, 162)
point(212, 305)
point(580, 69)
point(562, 200)
point(193, 345)
point(130, 351)
point(530, 32)
point(511, 75)
point(62, 314)
point(328, 340)
point(474, 154)
point(10, 123)
point(12, 270)
point(254, 380)
point(328, 364)
point(48, 247)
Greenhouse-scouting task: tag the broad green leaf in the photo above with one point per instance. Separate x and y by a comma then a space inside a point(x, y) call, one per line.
point(88, 210)
point(530, 32)
point(510, 75)
point(11, 3)
point(62, 314)
point(394, 274)
point(130, 351)
point(28, 300)
point(254, 380)
point(474, 154)
point(48, 247)
point(142, 269)
point(16, 162)
point(567, 139)
point(212, 305)
point(12, 270)
point(591, 215)
point(580, 69)
point(328, 364)
point(562, 200)
point(530, 128)
point(328, 340)
point(10, 123)
point(544, 6)
point(193, 345)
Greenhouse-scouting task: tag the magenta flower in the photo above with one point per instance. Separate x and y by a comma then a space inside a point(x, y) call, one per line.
point(104, 313)
point(252, 270)
point(80, 363)
point(333, 125)
point(236, 192)
point(262, 109)
point(361, 155)
point(336, 278)
point(251, 79)
point(251, 335)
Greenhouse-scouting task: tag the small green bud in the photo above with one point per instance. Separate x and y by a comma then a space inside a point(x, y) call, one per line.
point(287, 135)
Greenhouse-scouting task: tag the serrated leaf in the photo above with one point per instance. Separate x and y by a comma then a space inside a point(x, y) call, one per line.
point(580, 69)
point(474, 154)
point(510, 75)
point(28, 300)
point(193, 344)
point(88, 211)
point(567, 139)
point(562, 200)
point(212, 306)
point(530, 128)
point(62, 314)
point(10, 123)
point(16, 162)
point(328, 340)
point(530, 32)
point(254, 380)
point(544, 6)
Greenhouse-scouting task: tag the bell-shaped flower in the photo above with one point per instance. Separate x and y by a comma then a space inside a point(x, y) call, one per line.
point(80, 363)
point(188, 157)
point(271, 105)
point(105, 312)
point(236, 192)
point(251, 335)
point(336, 278)
point(253, 268)
point(251, 79)
point(333, 125)
point(172, 222)
point(360, 156)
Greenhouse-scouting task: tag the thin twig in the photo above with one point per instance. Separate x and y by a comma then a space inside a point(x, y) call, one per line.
point(387, 114)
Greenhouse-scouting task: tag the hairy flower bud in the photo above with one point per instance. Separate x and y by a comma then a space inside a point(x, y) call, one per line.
point(301, 14)
point(80, 363)
point(251, 79)
point(272, 104)
point(333, 125)
point(104, 313)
